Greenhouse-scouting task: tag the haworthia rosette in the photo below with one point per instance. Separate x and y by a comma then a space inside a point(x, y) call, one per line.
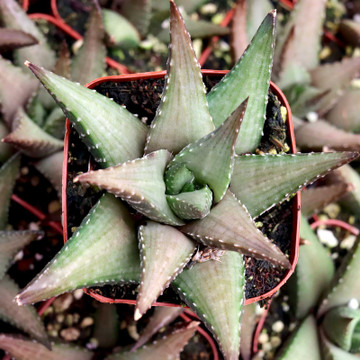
point(159, 268)
point(261, 181)
point(214, 290)
point(133, 183)
point(169, 347)
point(24, 318)
point(183, 115)
point(11, 242)
point(102, 250)
point(248, 78)
point(24, 349)
point(31, 139)
point(211, 158)
point(229, 226)
point(100, 121)
point(11, 39)
point(177, 177)
point(14, 17)
point(8, 174)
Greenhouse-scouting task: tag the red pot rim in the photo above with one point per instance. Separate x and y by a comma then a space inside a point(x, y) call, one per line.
point(294, 250)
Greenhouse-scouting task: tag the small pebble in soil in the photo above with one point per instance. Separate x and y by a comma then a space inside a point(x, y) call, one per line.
point(78, 294)
point(132, 330)
point(70, 334)
point(92, 344)
point(63, 302)
point(353, 304)
point(278, 326)
point(263, 338)
point(348, 242)
point(88, 321)
point(328, 238)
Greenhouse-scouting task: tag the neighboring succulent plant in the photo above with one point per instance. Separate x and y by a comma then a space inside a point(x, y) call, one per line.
point(211, 179)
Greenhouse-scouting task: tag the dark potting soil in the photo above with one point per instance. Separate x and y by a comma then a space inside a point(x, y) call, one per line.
point(142, 97)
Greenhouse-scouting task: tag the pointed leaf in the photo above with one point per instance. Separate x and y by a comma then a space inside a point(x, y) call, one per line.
point(15, 91)
point(259, 181)
point(24, 318)
point(180, 119)
point(89, 61)
point(345, 114)
point(36, 111)
point(100, 121)
point(168, 347)
point(8, 174)
point(256, 11)
point(62, 66)
point(239, 84)
point(6, 150)
point(106, 326)
point(248, 325)
point(191, 205)
point(239, 38)
point(30, 139)
point(177, 176)
point(316, 198)
point(339, 325)
point(345, 285)
point(350, 30)
point(102, 250)
point(138, 12)
point(211, 158)
point(214, 290)
point(11, 242)
point(161, 317)
point(160, 268)
point(23, 349)
point(132, 182)
point(313, 273)
point(11, 39)
point(229, 226)
point(51, 167)
point(122, 33)
point(320, 134)
point(14, 17)
point(301, 341)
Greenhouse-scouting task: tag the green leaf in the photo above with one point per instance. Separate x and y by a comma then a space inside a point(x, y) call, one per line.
point(239, 40)
point(159, 268)
point(345, 285)
point(11, 39)
point(260, 182)
point(55, 123)
point(320, 134)
point(8, 174)
point(24, 318)
point(183, 115)
point(14, 17)
point(24, 349)
point(15, 91)
point(89, 62)
point(36, 111)
point(122, 33)
point(132, 182)
point(339, 326)
point(11, 242)
point(169, 347)
point(62, 66)
point(248, 325)
point(211, 158)
point(138, 12)
point(177, 176)
point(303, 342)
point(191, 205)
point(30, 139)
point(162, 316)
point(102, 250)
point(248, 78)
point(313, 273)
point(229, 226)
point(214, 290)
point(100, 121)
point(106, 325)
point(6, 150)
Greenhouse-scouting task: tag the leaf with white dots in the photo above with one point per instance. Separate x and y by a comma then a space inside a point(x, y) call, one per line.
point(169, 347)
point(262, 181)
point(102, 250)
point(313, 273)
point(139, 182)
point(191, 205)
point(211, 158)
point(31, 139)
point(11, 242)
point(160, 267)
point(24, 318)
point(345, 285)
point(214, 290)
point(8, 174)
point(99, 120)
point(250, 77)
point(177, 176)
point(229, 226)
point(183, 115)
point(25, 349)
point(303, 339)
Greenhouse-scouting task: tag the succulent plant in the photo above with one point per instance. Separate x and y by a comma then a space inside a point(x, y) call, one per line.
point(197, 166)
